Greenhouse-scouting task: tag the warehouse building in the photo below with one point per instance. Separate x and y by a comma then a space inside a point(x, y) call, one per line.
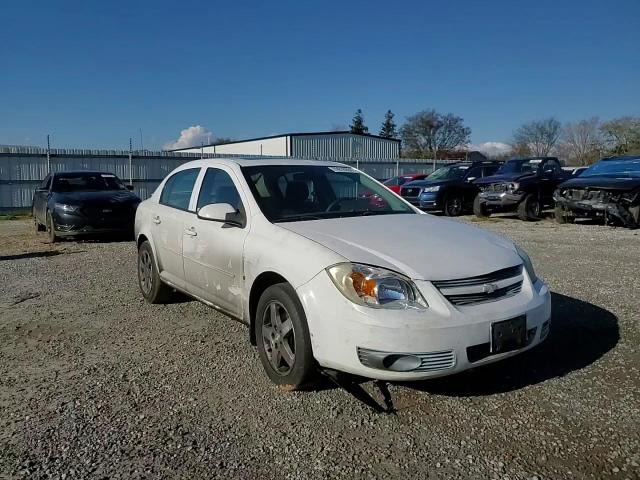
point(320, 145)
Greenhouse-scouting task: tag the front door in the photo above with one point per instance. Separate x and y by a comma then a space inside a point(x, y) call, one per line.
point(213, 251)
point(167, 221)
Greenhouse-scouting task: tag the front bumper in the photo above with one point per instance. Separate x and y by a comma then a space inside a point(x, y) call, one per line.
point(503, 201)
point(628, 216)
point(430, 201)
point(449, 339)
point(69, 224)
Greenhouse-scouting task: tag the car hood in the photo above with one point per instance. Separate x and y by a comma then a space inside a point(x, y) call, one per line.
point(504, 178)
point(421, 246)
point(102, 196)
point(428, 183)
point(603, 183)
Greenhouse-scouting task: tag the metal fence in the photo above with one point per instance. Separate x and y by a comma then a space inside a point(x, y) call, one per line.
point(22, 169)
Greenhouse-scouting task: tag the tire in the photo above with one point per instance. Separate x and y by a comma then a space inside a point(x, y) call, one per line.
point(529, 208)
point(51, 228)
point(453, 205)
point(151, 286)
point(561, 216)
point(38, 226)
point(282, 336)
point(479, 209)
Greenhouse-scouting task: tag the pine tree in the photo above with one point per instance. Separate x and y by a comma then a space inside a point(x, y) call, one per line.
point(357, 124)
point(388, 129)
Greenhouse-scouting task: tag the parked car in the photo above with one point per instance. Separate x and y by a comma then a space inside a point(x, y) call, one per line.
point(322, 277)
point(609, 189)
point(449, 189)
point(395, 183)
point(523, 185)
point(79, 203)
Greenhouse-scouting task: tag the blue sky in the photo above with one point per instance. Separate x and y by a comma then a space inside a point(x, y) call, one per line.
point(91, 73)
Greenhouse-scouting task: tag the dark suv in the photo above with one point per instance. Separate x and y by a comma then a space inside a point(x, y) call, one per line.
point(450, 189)
point(523, 185)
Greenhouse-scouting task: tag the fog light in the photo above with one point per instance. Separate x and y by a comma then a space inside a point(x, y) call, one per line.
point(401, 363)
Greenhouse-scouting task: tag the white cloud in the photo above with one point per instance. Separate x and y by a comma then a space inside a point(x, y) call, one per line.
point(491, 148)
point(193, 136)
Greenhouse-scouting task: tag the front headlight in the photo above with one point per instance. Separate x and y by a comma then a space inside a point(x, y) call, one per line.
point(66, 208)
point(513, 186)
point(375, 287)
point(431, 189)
point(528, 266)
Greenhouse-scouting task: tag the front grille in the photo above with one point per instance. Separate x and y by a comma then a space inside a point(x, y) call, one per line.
point(495, 187)
point(482, 288)
point(587, 195)
point(410, 192)
point(436, 361)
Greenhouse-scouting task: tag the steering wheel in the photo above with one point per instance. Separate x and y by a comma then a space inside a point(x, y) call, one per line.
point(335, 203)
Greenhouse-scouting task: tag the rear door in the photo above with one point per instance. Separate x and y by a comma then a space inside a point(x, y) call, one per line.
point(167, 222)
point(213, 251)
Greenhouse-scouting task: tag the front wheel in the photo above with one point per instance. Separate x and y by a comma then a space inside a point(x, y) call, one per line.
point(479, 209)
point(38, 226)
point(453, 205)
point(51, 228)
point(529, 208)
point(562, 216)
point(282, 334)
point(152, 288)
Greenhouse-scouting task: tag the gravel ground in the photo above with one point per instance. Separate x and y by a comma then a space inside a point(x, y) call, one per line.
point(95, 383)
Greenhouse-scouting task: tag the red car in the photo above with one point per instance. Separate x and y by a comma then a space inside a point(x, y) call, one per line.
point(395, 183)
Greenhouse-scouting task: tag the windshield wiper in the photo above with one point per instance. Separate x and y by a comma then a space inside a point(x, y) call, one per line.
point(297, 218)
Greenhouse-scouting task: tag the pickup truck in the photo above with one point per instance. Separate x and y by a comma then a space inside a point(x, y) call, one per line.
point(523, 185)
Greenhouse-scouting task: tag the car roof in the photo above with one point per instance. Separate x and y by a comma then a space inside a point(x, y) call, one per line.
point(85, 172)
point(250, 162)
point(621, 157)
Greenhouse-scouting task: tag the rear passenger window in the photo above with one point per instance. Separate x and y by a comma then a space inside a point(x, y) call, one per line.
point(177, 190)
point(217, 187)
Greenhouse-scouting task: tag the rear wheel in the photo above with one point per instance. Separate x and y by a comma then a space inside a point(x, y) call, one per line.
point(51, 228)
point(152, 288)
point(453, 205)
point(529, 208)
point(282, 334)
point(479, 209)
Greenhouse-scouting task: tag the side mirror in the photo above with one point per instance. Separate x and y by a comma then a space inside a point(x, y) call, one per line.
point(221, 212)
point(129, 187)
point(470, 179)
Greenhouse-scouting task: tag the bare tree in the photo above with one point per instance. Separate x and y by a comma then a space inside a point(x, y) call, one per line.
point(582, 141)
point(540, 136)
point(622, 135)
point(428, 133)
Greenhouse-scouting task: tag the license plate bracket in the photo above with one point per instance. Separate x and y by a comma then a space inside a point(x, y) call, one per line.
point(509, 335)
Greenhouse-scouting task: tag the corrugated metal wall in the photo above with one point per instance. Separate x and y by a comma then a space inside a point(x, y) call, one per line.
point(21, 173)
point(344, 145)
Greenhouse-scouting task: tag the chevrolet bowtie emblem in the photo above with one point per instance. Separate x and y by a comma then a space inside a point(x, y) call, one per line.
point(489, 287)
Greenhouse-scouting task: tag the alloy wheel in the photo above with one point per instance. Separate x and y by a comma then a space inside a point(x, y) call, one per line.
point(454, 206)
point(146, 272)
point(278, 337)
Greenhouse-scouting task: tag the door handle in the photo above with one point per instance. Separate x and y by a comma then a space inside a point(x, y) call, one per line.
point(156, 219)
point(191, 231)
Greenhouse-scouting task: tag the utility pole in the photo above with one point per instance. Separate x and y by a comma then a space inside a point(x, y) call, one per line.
point(130, 162)
point(48, 155)
point(141, 145)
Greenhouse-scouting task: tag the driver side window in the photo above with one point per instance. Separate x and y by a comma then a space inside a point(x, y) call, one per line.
point(217, 187)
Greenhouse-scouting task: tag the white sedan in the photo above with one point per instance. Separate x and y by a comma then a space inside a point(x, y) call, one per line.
point(330, 269)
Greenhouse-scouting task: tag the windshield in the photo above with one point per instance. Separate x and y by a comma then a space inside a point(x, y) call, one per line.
point(79, 182)
point(287, 193)
point(614, 168)
point(449, 173)
point(520, 166)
